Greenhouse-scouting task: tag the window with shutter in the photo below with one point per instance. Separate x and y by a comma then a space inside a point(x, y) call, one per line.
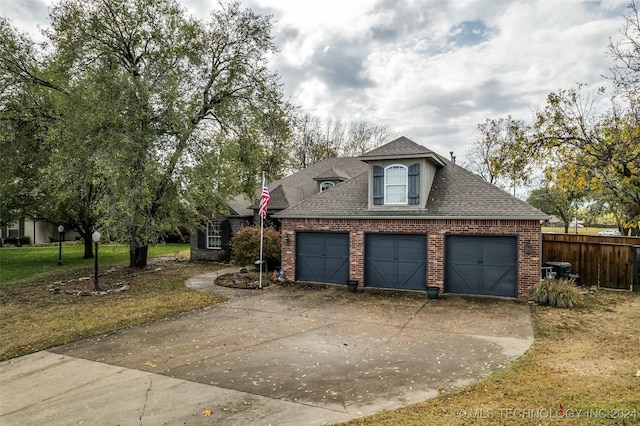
point(378, 185)
point(225, 228)
point(202, 239)
point(395, 184)
point(214, 234)
point(414, 184)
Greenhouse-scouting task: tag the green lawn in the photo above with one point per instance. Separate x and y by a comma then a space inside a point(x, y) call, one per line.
point(32, 318)
point(25, 263)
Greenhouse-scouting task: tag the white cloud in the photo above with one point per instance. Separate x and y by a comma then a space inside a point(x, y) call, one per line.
point(432, 70)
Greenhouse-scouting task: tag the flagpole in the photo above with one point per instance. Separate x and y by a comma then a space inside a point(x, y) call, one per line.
point(261, 237)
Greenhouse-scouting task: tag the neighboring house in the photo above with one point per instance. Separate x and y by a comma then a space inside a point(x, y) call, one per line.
point(210, 241)
point(38, 232)
point(413, 219)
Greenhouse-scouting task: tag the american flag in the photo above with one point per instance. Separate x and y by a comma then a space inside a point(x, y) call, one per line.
point(264, 200)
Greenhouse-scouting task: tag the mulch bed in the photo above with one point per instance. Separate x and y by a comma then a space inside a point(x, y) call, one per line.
point(114, 280)
point(247, 280)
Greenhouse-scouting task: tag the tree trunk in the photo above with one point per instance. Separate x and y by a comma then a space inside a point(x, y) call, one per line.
point(138, 257)
point(88, 247)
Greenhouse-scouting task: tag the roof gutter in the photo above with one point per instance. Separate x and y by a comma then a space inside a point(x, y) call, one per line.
point(492, 217)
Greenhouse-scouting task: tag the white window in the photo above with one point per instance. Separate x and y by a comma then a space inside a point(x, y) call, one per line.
point(395, 184)
point(13, 230)
point(326, 185)
point(214, 235)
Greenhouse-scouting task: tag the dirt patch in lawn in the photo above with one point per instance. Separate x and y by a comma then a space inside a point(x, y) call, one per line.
point(109, 281)
point(247, 280)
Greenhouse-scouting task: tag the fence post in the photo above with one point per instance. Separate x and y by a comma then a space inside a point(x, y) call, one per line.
point(635, 280)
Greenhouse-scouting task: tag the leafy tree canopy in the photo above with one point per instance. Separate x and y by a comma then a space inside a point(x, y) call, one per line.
point(140, 113)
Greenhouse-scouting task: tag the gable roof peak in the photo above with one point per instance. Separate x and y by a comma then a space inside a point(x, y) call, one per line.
point(402, 147)
point(333, 174)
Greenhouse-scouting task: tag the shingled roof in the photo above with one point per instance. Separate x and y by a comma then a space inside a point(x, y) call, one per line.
point(401, 148)
point(456, 193)
point(301, 185)
point(239, 206)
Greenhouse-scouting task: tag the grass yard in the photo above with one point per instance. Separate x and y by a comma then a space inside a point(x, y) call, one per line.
point(33, 319)
point(24, 263)
point(581, 231)
point(583, 361)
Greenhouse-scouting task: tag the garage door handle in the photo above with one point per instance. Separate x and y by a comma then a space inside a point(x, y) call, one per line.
point(479, 261)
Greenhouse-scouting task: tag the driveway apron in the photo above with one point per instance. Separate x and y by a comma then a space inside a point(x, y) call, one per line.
point(287, 354)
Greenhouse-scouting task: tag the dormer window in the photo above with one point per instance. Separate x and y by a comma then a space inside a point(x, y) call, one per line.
point(396, 184)
point(326, 185)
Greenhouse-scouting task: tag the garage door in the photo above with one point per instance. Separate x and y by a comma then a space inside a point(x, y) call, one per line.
point(396, 261)
point(481, 265)
point(322, 257)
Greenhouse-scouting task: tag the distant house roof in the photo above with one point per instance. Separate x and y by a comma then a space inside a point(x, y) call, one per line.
point(301, 185)
point(456, 193)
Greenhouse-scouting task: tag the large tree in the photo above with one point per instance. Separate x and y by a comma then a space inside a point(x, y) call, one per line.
point(602, 147)
point(316, 139)
point(594, 136)
point(153, 94)
point(563, 190)
point(499, 154)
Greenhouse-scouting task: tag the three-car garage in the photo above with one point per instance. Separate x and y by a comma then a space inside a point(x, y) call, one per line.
point(481, 265)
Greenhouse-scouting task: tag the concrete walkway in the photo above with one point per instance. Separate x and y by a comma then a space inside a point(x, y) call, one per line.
point(286, 355)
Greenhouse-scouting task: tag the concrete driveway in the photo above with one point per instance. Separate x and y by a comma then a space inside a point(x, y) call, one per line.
point(287, 355)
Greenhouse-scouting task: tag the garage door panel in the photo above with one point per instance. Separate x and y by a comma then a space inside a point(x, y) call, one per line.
point(336, 248)
point(337, 269)
point(410, 273)
point(463, 278)
point(498, 281)
point(464, 248)
point(481, 265)
point(380, 274)
point(497, 250)
point(395, 261)
point(309, 268)
point(381, 249)
point(411, 249)
point(322, 257)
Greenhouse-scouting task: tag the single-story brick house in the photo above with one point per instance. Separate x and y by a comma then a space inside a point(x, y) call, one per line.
point(414, 219)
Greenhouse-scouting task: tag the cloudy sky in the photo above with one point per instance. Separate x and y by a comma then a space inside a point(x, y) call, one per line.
point(431, 70)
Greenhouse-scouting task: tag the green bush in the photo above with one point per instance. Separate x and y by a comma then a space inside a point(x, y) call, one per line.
point(560, 293)
point(245, 246)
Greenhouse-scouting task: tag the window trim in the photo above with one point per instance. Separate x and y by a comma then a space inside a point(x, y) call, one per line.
point(406, 185)
point(210, 235)
point(13, 230)
point(331, 185)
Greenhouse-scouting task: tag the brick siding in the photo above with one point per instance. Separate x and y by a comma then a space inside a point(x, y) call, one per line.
point(527, 231)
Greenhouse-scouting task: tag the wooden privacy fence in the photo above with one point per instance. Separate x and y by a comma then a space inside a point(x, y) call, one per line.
point(612, 262)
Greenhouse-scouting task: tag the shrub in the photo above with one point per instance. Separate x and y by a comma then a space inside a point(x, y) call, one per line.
point(560, 293)
point(245, 246)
